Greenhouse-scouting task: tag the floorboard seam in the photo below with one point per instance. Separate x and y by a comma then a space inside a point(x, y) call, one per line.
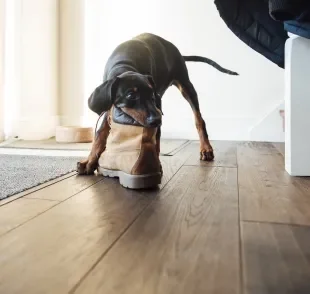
point(80, 282)
point(275, 223)
point(37, 188)
point(241, 281)
point(180, 148)
point(37, 198)
point(210, 166)
point(56, 204)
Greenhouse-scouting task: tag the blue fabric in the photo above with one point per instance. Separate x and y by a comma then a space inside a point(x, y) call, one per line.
point(285, 10)
point(263, 24)
point(298, 28)
point(250, 21)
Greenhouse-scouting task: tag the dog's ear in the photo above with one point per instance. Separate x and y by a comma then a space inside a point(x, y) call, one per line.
point(153, 85)
point(101, 100)
point(151, 81)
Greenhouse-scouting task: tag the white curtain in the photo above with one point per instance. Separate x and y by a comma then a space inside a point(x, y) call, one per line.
point(2, 36)
point(36, 68)
point(44, 67)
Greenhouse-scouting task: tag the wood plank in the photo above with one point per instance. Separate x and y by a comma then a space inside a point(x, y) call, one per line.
point(66, 188)
point(225, 155)
point(267, 192)
point(36, 188)
point(20, 211)
point(172, 164)
point(187, 241)
point(63, 244)
point(276, 259)
point(168, 146)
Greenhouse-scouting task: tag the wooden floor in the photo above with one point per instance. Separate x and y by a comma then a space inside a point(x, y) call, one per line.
point(240, 224)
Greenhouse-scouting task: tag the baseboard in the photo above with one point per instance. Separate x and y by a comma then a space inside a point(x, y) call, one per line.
point(280, 146)
point(270, 127)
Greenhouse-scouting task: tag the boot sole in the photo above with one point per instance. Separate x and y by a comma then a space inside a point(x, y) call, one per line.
point(133, 181)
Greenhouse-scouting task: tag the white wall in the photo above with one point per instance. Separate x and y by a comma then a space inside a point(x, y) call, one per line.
point(231, 106)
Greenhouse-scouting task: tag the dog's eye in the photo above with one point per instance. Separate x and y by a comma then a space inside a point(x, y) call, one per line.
point(131, 95)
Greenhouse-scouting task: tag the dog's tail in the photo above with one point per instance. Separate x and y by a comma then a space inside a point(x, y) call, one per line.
point(211, 62)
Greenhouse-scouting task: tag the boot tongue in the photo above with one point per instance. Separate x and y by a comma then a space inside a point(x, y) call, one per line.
point(121, 117)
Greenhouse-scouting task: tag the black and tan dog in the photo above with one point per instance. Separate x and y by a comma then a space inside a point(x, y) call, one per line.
point(136, 77)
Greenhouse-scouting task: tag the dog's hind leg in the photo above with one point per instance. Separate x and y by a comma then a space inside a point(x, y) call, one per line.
point(189, 93)
point(88, 166)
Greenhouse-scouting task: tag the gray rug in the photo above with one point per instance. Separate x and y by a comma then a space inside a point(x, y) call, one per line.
point(19, 172)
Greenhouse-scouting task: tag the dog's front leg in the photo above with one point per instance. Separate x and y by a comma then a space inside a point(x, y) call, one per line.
point(88, 166)
point(158, 134)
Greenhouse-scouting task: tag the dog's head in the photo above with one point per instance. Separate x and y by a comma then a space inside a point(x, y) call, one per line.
point(134, 94)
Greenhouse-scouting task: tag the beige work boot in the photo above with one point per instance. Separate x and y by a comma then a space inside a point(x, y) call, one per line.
point(131, 156)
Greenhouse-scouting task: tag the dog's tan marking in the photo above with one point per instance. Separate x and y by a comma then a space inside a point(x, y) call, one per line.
point(88, 166)
point(184, 94)
point(206, 150)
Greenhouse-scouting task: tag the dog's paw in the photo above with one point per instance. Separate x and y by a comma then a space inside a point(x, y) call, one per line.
point(85, 168)
point(81, 167)
point(206, 154)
